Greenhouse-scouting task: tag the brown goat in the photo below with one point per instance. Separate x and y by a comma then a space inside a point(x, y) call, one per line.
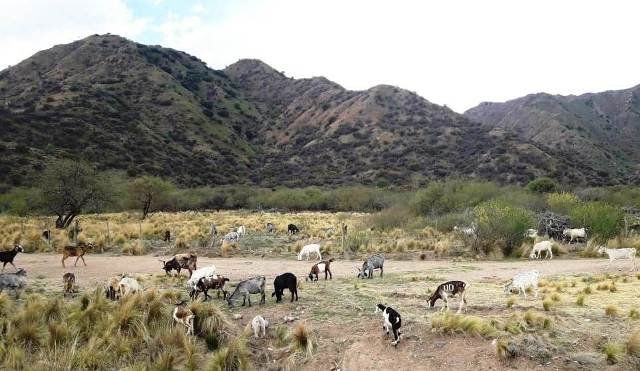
point(78, 251)
point(68, 281)
point(325, 266)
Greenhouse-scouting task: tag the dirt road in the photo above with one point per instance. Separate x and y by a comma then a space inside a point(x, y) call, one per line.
point(48, 268)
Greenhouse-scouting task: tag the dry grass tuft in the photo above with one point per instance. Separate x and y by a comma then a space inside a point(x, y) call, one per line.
point(234, 357)
point(511, 301)
point(301, 340)
point(612, 310)
point(505, 350)
point(580, 300)
point(547, 304)
point(634, 313)
point(455, 323)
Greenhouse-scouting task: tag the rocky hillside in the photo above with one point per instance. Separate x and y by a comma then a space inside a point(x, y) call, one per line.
point(600, 132)
point(152, 110)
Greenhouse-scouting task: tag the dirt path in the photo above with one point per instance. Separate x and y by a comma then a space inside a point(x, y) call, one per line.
point(99, 267)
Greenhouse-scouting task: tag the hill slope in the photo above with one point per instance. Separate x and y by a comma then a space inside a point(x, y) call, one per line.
point(601, 131)
point(123, 105)
point(153, 110)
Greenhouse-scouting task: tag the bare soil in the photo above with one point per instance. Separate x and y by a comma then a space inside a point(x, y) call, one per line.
point(349, 336)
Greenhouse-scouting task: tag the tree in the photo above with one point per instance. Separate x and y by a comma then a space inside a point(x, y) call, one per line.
point(149, 193)
point(69, 188)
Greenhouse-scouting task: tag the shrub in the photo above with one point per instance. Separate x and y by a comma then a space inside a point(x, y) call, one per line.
point(390, 218)
point(602, 220)
point(562, 203)
point(235, 357)
point(580, 300)
point(634, 313)
point(498, 221)
point(542, 185)
point(455, 323)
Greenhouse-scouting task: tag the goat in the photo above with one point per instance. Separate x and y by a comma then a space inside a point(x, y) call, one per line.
point(292, 229)
point(308, 249)
point(259, 324)
point(522, 281)
point(231, 237)
point(68, 282)
point(531, 233)
point(271, 228)
point(392, 320)
point(167, 236)
point(16, 281)
point(447, 290)
point(468, 231)
point(199, 273)
point(184, 316)
point(205, 284)
point(9, 255)
point(128, 286)
point(179, 262)
point(111, 287)
point(574, 233)
point(536, 252)
point(285, 281)
point(78, 251)
point(619, 254)
point(372, 263)
point(242, 231)
point(323, 266)
point(245, 288)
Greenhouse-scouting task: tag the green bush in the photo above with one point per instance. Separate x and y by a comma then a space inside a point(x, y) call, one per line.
point(390, 218)
point(562, 203)
point(602, 220)
point(542, 185)
point(454, 195)
point(497, 221)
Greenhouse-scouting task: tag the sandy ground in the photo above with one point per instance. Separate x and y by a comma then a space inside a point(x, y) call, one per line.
point(48, 268)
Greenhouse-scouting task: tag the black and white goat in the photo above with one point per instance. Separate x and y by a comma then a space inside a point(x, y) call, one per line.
point(8, 256)
point(392, 321)
point(448, 290)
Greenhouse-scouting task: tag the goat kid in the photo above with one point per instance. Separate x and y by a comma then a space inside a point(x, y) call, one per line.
point(68, 283)
point(536, 252)
point(323, 266)
point(184, 316)
point(259, 325)
point(448, 290)
point(392, 321)
point(78, 251)
point(308, 249)
point(522, 281)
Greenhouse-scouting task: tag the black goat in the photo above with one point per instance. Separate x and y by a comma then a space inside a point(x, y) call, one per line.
point(9, 255)
point(285, 281)
point(292, 229)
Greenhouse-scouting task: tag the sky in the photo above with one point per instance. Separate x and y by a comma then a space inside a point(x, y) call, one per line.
point(457, 52)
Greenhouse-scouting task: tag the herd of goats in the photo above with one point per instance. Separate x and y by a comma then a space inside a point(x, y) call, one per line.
point(202, 280)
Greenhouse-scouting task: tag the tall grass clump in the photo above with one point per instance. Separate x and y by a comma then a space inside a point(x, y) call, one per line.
point(613, 352)
point(633, 344)
point(234, 357)
point(301, 340)
point(612, 310)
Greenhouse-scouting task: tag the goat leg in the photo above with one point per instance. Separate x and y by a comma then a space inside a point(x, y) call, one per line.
point(84, 262)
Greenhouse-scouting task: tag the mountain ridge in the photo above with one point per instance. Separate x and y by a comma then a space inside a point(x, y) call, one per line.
point(121, 105)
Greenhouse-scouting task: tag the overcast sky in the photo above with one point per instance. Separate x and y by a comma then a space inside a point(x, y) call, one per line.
point(457, 53)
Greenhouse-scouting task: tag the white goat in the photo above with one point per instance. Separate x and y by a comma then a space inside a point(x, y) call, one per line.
point(522, 281)
point(619, 254)
point(308, 249)
point(199, 273)
point(531, 233)
point(574, 233)
point(259, 324)
point(536, 252)
point(127, 286)
point(242, 231)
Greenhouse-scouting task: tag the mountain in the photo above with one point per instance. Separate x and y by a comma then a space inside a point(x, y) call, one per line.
point(123, 105)
point(152, 110)
point(599, 132)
